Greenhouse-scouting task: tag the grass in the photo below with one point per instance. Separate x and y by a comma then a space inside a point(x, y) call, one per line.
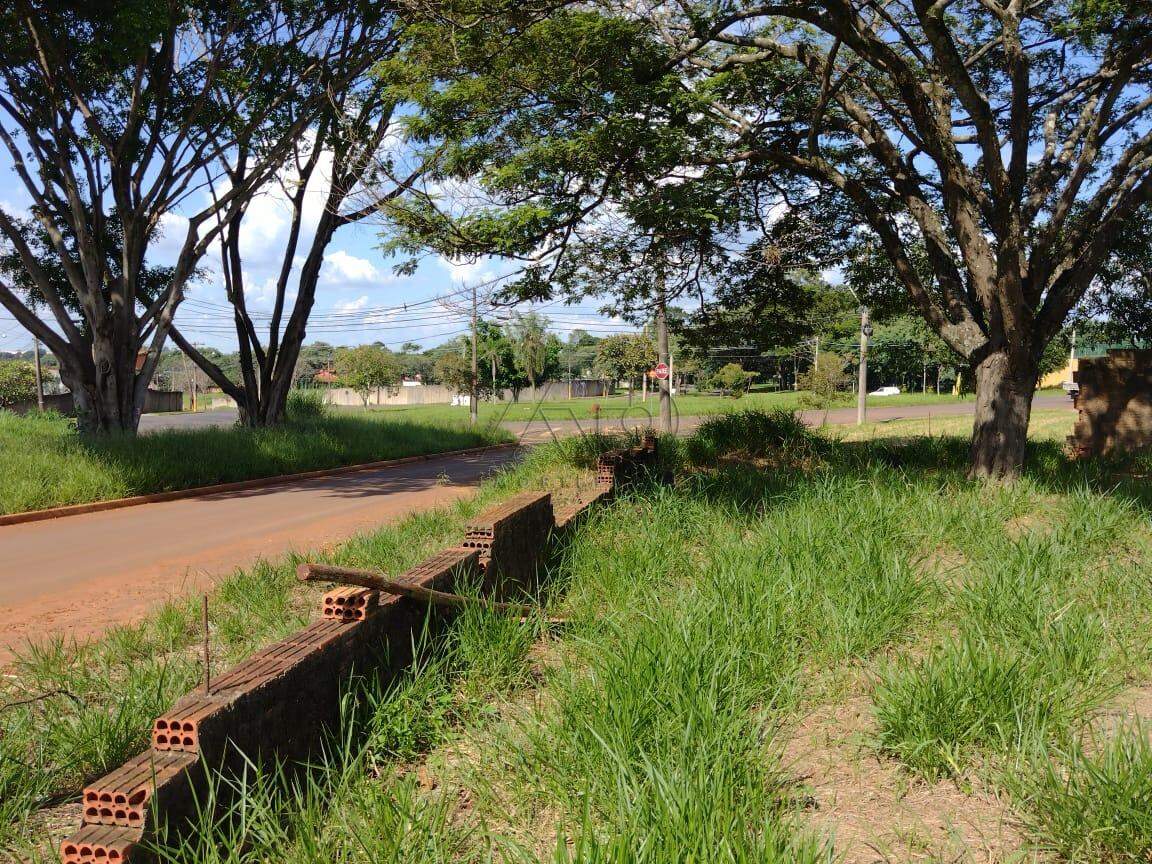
point(612, 409)
point(45, 463)
point(1095, 806)
point(987, 630)
point(1046, 424)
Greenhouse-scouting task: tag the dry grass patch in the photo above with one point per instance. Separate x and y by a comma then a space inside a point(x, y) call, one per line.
point(875, 811)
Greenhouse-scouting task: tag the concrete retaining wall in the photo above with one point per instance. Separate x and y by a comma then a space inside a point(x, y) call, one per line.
point(279, 702)
point(155, 402)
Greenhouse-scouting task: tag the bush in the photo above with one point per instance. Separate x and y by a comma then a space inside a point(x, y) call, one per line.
point(306, 405)
point(753, 433)
point(732, 380)
point(17, 382)
point(826, 382)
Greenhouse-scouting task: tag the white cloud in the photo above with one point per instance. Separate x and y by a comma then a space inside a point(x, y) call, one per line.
point(467, 272)
point(356, 305)
point(339, 266)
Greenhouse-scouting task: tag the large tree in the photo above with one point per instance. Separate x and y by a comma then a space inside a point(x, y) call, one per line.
point(347, 161)
point(1007, 140)
point(125, 113)
point(535, 351)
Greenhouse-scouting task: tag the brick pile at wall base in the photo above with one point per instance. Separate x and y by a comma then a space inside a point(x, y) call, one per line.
point(280, 702)
point(1115, 404)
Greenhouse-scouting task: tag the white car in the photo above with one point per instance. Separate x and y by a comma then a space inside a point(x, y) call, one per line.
point(886, 391)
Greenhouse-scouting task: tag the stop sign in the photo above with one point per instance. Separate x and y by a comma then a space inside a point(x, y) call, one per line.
point(661, 371)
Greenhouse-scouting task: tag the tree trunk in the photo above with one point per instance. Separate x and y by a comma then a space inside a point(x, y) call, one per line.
point(1004, 389)
point(102, 393)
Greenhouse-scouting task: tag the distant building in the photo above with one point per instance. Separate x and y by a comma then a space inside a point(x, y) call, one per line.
point(325, 376)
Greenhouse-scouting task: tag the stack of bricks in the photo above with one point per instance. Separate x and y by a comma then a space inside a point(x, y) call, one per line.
point(511, 540)
point(608, 469)
point(569, 517)
point(349, 603)
point(1114, 403)
point(116, 807)
point(275, 703)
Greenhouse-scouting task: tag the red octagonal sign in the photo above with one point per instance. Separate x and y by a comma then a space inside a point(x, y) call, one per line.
point(661, 371)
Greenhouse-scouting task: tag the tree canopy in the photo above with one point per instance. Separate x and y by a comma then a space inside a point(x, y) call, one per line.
point(988, 156)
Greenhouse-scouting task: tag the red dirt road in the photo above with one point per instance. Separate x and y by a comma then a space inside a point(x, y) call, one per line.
point(78, 575)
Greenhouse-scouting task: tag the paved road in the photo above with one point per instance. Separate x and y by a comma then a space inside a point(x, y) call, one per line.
point(78, 575)
point(540, 429)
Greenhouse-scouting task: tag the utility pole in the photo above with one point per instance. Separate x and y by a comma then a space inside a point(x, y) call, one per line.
point(1072, 356)
point(473, 408)
point(662, 356)
point(816, 355)
point(39, 373)
point(862, 389)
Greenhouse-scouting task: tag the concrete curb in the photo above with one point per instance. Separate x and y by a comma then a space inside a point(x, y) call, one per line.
point(237, 486)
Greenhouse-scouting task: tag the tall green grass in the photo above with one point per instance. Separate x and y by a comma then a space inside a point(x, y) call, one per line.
point(1046, 630)
point(45, 463)
point(1093, 803)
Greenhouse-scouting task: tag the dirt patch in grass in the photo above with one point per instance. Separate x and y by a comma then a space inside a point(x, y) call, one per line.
point(1132, 705)
point(875, 811)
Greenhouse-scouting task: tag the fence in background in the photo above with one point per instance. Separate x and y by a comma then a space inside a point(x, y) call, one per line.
point(155, 402)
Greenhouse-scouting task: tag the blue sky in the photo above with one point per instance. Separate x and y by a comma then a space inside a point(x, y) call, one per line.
point(359, 298)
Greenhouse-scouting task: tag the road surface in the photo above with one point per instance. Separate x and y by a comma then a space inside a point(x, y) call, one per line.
point(537, 430)
point(77, 575)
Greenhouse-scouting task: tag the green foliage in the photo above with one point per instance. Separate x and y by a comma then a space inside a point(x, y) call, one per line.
point(535, 351)
point(17, 382)
point(313, 357)
point(305, 405)
point(732, 380)
point(625, 356)
point(751, 432)
point(366, 368)
point(453, 367)
point(1093, 804)
point(826, 381)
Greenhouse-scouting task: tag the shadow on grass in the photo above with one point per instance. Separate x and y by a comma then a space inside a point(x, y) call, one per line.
point(924, 462)
point(45, 463)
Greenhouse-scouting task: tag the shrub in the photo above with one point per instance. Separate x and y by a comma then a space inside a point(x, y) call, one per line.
point(752, 432)
point(826, 381)
point(305, 405)
point(732, 380)
point(17, 382)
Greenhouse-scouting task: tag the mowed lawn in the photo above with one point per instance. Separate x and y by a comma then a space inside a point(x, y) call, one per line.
point(612, 409)
point(45, 463)
point(808, 649)
point(1052, 425)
